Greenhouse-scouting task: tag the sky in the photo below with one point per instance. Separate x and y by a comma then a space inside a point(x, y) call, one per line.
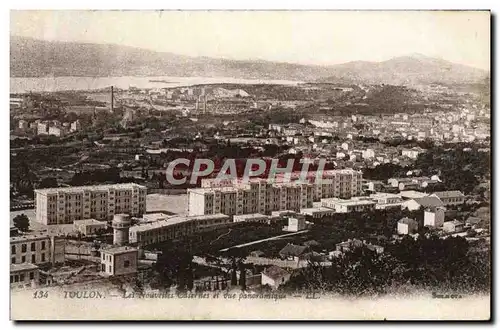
point(306, 37)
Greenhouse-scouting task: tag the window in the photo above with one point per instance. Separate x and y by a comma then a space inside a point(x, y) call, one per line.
point(16, 278)
point(33, 246)
point(109, 269)
point(126, 263)
point(13, 249)
point(103, 267)
point(23, 259)
point(11, 278)
point(21, 277)
point(23, 248)
point(33, 259)
point(43, 257)
point(13, 260)
point(43, 245)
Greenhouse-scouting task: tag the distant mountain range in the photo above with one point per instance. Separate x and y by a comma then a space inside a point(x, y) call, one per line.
point(38, 58)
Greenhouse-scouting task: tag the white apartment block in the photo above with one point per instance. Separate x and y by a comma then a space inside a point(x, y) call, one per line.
point(175, 227)
point(349, 205)
point(256, 196)
point(56, 206)
point(344, 183)
point(36, 250)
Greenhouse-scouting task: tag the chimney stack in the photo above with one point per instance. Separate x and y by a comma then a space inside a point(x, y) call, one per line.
point(112, 100)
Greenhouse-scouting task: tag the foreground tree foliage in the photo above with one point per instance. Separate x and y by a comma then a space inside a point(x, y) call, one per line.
point(426, 263)
point(22, 222)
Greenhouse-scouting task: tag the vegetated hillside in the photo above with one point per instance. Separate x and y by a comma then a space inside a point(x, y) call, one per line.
point(406, 70)
point(36, 58)
point(375, 99)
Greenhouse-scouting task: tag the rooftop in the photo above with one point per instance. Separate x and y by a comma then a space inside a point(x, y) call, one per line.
point(316, 209)
point(173, 220)
point(89, 222)
point(119, 250)
point(351, 242)
point(95, 187)
point(385, 195)
point(21, 267)
point(28, 238)
point(275, 272)
point(250, 216)
point(454, 222)
point(429, 202)
point(412, 194)
point(203, 191)
point(293, 250)
point(348, 202)
point(154, 216)
point(448, 194)
point(407, 221)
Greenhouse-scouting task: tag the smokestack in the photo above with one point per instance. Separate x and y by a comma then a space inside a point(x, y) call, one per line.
point(112, 100)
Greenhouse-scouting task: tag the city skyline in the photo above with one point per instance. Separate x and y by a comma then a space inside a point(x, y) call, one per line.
point(291, 36)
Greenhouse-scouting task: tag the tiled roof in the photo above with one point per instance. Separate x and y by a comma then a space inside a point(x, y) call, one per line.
point(449, 194)
point(429, 201)
point(291, 250)
point(275, 272)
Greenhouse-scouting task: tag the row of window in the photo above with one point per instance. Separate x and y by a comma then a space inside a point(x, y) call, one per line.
point(21, 277)
point(33, 259)
point(24, 247)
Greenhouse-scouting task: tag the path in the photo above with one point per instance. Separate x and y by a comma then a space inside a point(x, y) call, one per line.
point(215, 240)
point(265, 239)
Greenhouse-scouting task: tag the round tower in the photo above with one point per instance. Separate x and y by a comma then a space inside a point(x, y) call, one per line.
point(121, 224)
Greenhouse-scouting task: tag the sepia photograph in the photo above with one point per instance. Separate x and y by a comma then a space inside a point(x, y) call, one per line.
point(250, 165)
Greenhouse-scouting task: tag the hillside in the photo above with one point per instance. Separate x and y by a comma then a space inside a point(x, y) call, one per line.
point(406, 70)
point(37, 58)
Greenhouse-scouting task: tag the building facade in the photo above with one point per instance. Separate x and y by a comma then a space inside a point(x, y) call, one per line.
point(175, 227)
point(448, 198)
point(407, 226)
point(349, 205)
point(24, 275)
point(36, 249)
point(120, 260)
point(344, 183)
point(65, 205)
point(434, 217)
point(89, 226)
point(256, 196)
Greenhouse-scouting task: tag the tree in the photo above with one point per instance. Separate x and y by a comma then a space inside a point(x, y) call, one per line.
point(243, 276)
point(49, 182)
point(22, 222)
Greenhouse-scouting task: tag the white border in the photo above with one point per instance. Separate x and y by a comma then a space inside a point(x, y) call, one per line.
point(193, 5)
